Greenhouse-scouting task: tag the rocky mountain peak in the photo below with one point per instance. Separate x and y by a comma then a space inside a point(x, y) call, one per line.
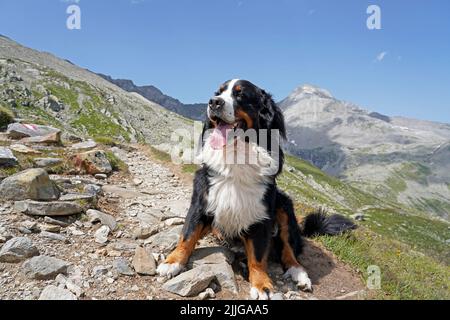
point(308, 90)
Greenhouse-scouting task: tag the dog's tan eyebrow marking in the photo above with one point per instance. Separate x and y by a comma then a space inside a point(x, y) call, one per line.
point(238, 88)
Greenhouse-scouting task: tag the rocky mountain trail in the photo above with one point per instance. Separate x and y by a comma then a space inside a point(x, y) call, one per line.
point(72, 234)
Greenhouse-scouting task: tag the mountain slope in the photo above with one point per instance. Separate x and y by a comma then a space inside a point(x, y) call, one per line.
point(191, 111)
point(39, 86)
point(403, 160)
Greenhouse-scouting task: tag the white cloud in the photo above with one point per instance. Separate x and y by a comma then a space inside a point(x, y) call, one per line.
point(380, 57)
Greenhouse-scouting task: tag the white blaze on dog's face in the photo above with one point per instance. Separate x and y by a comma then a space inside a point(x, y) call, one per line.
point(227, 110)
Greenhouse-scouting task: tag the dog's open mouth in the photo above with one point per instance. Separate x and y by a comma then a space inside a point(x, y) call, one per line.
point(221, 133)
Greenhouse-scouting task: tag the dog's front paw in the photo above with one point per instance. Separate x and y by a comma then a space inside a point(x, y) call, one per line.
point(169, 270)
point(260, 294)
point(300, 277)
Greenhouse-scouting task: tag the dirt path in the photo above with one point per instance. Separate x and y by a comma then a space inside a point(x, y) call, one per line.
point(153, 195)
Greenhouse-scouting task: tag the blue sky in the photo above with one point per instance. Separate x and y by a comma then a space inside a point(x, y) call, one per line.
point(188, 47)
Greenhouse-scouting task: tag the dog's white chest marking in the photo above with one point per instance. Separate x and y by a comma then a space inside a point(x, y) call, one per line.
point(236, 192)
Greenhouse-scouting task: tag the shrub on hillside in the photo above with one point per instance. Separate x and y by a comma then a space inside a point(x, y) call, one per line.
point(6, 117)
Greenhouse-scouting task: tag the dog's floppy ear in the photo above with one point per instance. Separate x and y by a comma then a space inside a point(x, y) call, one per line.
point(271, 114)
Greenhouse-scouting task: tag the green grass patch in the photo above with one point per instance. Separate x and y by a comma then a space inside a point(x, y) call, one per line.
point(189, 168)
point(116, 163)
point(160, 155)
point(107, 141)
point(405, 274)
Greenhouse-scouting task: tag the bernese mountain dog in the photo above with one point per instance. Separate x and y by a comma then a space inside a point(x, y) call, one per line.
point(235, 190)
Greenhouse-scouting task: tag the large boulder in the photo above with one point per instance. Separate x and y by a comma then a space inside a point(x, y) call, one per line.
point(190, 283)
point(54, 208)
point(32, 184)
point(92, 162)
point(7, 158)
point(20, 130)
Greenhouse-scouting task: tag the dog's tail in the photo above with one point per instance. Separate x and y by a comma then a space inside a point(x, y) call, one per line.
point(319, 223)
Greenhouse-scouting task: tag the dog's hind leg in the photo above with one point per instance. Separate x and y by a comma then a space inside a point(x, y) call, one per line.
point(289, 243)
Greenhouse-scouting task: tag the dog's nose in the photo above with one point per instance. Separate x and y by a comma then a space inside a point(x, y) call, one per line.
point(216, 104)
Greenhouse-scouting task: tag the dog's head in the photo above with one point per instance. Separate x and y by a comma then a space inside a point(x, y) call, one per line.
point(241, 105)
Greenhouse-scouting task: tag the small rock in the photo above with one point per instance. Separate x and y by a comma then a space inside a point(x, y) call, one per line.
point(137, 182)
point(86, 145)
point(92, 189)
point(105, 219)
point(207, 294)
point(98, 271)
point(7, 158)
point(17, 250)
point(92, 162)
point(144, 232)
point(190, 283)
point(166, 240)
point(54, 293)
point(101, 176)
point(50, 228)
point(101, 235)
point(57, 222)
point(143, 262)
point(174, 222)
point(31, 225)
point(359, 217)
point(53, 236)
point(277, 296)
point(55, 208)
point(47, 162)
point(20, 148)
point(32, 184)
point(44, 267)
point(123, 267)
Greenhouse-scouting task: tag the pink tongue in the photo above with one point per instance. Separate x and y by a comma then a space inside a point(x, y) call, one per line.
point(219, 136)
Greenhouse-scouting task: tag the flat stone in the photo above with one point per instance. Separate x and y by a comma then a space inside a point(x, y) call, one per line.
point(17, 250)
point(211, 255)
point(104, 218)
point(20, 148)
point(53, 138)
point(101, 176)
point(98, 271)
point(166, 240)
point(174, 222)
point(19, 130)
point(7, 158)
point(57, 222)
point(50, 228)
point(122, 192)
point(143, 233)
point(190, 283)
point(123, 267)
point(225, 276)
point(53, 236)
point(86, 145)
point(44, 267)
point(125, 245)
point(179, 208)
point(32, 184)
point(55, 208)
point(143, 262)
point(52, 292)
point(101, 235)
point(47, 162)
